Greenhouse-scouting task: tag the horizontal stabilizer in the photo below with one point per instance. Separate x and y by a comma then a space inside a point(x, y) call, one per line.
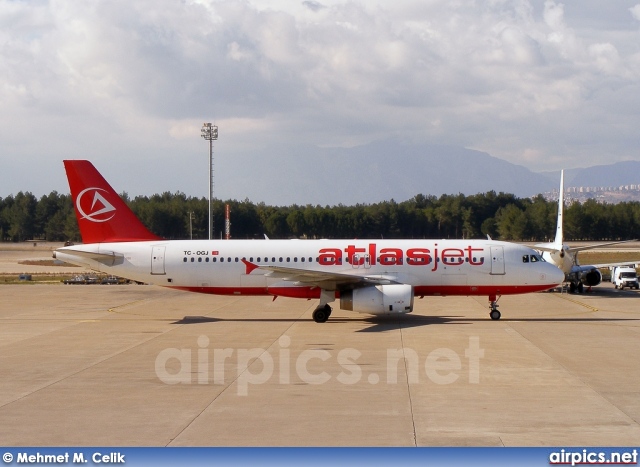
point(108, 258)
point(550, 247)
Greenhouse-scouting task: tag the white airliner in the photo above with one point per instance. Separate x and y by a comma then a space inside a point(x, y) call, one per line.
point(367, 276)
point(566, 257)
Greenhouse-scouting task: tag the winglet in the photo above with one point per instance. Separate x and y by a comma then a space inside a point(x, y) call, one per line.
point(102, 215)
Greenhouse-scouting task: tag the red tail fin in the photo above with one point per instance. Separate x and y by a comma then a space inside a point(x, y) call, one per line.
point(102, 215)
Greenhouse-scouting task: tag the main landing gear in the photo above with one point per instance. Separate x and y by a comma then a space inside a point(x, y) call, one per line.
point(493, 306)
point(576, 287)
point(322, 313)
point(323, 310)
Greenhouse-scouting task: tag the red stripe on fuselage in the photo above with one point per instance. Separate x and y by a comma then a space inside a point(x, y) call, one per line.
point(426, 290)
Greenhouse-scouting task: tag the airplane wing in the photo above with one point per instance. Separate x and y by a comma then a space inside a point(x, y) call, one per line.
point(591, 247)
point(320, 278)
point(551, 247)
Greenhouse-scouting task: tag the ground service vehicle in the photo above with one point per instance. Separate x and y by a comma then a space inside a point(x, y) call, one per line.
point(624, 276)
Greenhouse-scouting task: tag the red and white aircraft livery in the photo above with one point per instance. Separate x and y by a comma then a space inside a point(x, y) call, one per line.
point(367, 276)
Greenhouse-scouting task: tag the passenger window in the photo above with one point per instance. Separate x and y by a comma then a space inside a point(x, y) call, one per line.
point(184, 259)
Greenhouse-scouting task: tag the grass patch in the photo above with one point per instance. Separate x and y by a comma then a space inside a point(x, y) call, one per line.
point(602, 257)
point(47, 262)
point(45, 278)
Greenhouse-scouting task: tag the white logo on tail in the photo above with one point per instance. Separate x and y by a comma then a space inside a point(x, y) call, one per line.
point(99, 206)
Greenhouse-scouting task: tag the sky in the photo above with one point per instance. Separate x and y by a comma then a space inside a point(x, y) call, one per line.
point(128, 85)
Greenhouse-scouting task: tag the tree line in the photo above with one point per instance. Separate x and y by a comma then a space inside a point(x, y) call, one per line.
point(177, 216)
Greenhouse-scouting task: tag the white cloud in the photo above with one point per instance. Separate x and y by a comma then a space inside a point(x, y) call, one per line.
point(517, 79)
point(554, 15)
point(606, 57)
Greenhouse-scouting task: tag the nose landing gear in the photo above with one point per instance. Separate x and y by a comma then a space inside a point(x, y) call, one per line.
point(493, 306)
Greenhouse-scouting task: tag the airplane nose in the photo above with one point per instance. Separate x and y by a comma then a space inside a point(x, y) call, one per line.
point(554, 274)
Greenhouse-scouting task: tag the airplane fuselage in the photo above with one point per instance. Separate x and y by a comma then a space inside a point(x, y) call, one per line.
point(244, 267)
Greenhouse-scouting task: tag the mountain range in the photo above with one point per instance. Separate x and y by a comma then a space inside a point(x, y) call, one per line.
point(394, 170)
point(613, 175)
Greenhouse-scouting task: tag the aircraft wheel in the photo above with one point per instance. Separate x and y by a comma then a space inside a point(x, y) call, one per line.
point(495, 314)
point(327, 310)
point(320, 315)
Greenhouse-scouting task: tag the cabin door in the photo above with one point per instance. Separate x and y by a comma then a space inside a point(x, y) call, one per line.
point(497, 260)
point(157, 260)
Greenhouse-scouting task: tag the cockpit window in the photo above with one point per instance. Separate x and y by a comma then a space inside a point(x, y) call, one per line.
point(532, 258)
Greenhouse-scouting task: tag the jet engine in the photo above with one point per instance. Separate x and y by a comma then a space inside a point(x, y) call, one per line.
point(592, 278)
point(379, 299)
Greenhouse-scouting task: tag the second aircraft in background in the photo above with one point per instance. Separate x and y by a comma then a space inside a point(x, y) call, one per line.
point(566, 257)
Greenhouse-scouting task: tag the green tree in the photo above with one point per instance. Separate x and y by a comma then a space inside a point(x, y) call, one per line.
point(511, 223)
point(21, 217)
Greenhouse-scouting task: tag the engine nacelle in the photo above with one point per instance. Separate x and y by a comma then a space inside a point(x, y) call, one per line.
point(592, 278)
point(379, 299)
